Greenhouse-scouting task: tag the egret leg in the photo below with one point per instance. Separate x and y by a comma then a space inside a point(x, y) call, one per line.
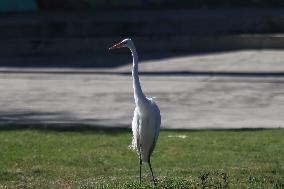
point(140, 171)
point(153, 178)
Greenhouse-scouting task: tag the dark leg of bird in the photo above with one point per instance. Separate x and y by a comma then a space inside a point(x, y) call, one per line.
point(140, 171)
point(153, 178)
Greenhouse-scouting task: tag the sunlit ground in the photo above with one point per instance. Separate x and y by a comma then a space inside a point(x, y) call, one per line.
point(101, 159)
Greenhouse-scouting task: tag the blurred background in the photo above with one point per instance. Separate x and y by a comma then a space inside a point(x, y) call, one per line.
point(51, 27)
point(210, 60)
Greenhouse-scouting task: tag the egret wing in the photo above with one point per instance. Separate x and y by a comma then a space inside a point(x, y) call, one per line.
point(135, 130)
point(156, 128)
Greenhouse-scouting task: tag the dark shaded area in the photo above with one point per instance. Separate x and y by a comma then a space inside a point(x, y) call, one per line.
point(97, 128)
point(108, 59)
point(104, 60)
point(279, 74)
point(171, 31)
point(28, 120)
point(30, 116)
point(150, 4)
point(220, 130)
point(212, 74)
point(63, 128)
point(59, 121)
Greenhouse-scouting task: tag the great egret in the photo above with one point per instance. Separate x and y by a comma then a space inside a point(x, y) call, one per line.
point(147, 119)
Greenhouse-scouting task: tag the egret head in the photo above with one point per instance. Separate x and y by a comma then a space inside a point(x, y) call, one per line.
point(124, 43)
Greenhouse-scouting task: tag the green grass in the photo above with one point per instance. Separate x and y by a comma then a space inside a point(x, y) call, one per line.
point(32, 158)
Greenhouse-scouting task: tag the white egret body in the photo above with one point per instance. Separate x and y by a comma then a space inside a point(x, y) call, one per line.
point(147, 119)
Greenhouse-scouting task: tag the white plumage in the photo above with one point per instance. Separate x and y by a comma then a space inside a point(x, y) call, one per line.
point(145, 128)
point(146, 119)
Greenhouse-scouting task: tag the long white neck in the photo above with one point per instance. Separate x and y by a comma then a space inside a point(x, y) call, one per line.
point(138, 93)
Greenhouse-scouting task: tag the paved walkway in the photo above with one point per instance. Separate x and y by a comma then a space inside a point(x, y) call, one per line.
point(243, 89)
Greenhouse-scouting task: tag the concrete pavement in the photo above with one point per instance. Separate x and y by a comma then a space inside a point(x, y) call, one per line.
point(241, 89)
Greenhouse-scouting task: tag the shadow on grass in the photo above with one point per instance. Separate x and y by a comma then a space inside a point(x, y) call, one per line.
point(221, 130)
point(62, 121)
point(101, 128)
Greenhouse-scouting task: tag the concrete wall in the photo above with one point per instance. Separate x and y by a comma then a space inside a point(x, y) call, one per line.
point(185, 30)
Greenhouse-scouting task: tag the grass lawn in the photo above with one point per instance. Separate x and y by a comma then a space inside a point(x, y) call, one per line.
point(31, 158)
